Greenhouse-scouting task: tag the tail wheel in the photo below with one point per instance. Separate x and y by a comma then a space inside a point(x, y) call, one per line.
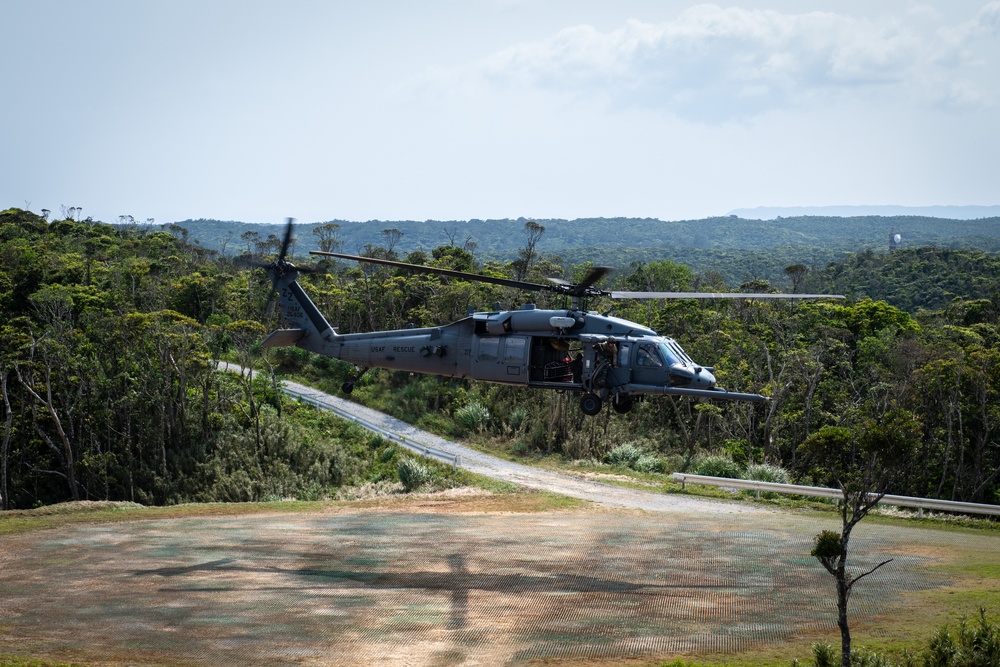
point(347, 387)
point(623, 403)
point(591, 404)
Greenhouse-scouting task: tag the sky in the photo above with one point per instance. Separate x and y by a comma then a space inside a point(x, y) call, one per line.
point(456, 109)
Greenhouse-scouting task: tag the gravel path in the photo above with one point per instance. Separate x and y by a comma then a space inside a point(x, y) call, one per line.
point(497, 468)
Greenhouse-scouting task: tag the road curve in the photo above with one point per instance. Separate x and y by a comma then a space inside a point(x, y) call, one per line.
point(508, 471)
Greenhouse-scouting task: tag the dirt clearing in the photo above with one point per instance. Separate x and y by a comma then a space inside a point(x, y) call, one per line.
point(423, 587)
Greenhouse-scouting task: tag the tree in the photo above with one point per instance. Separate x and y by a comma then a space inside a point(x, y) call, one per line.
point(797, 273)
point(864, 462)
point(527, 255)
point(391, 237)
point(329, 237)
point(5, 443)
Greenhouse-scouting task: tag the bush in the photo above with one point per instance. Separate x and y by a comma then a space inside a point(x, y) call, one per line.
point(825, 656)
point(412, 474)
point(521, 448)
point(765, 472)
point(623, 455)
point(718, 466)
point(517, 418)
point(741, 451)
point(974, 645)
point(649, 463)
point(473, 416)
point(389, 453)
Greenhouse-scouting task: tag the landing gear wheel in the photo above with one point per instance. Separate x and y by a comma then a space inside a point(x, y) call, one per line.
point(622, 403)
point(347, 387)
point(591, 404)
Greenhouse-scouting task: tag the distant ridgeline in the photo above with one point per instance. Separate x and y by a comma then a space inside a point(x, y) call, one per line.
point(740, 249)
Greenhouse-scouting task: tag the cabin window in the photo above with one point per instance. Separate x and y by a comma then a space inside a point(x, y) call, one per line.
point(514, 350)
point(623, 355)
point(489, 349)
point(648, 356)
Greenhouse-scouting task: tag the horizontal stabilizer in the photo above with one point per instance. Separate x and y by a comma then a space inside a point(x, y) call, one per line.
point(283, 338)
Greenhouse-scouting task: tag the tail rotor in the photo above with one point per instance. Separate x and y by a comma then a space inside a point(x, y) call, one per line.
point(279, 267)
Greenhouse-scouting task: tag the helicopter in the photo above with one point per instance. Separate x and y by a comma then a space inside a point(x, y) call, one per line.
point(603, 358)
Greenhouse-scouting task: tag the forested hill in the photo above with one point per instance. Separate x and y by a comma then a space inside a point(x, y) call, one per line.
point(912, 279)
point(936, 260)
point(602, 239)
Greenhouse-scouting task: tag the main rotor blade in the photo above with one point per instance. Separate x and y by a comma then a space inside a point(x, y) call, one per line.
point(251, 263)
point(595, 274)
point(718, 295)
point(506, 282)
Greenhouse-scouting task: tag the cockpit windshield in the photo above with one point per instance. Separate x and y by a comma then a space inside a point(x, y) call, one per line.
point(677, 352)
point(668, 354)
point(665, 352)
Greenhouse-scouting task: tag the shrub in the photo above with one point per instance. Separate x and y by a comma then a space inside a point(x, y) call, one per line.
point(718, 465)
point(310, 491)
point(517, 417)
point(623, 455)
point(825, 656)
point(741, 451)
point(649, 463)
point(412, 474)
point(389, 453)
point(473, 416)
point(765, 472)
point(975, 644)
point(521, 448)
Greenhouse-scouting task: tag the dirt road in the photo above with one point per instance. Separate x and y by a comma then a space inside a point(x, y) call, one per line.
point(508, 471)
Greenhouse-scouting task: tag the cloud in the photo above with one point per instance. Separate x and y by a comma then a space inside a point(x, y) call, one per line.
point(714, 63)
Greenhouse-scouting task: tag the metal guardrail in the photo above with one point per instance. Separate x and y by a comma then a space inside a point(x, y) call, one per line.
point(413, 446)
point(823, 492)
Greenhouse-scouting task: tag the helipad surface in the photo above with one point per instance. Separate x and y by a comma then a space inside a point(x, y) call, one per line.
point(382, 587)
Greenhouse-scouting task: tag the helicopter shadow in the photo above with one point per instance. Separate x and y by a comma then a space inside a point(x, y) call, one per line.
point(457, 582)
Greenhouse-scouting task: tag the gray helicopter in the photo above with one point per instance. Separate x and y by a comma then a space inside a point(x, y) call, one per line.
point(603, 358)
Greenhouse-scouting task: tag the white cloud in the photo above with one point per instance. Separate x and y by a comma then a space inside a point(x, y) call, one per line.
point(714, 63)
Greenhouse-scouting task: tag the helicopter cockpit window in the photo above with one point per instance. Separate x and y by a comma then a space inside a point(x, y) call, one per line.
point(648, 356)
point(680, 353)
point(669, 354)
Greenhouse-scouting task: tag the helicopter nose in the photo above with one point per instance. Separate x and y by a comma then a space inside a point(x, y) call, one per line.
point(694, 377)
point(703, 379)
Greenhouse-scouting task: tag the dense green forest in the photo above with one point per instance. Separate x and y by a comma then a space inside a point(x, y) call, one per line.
point(736, 248)
point(111, 331)
point(108, 381)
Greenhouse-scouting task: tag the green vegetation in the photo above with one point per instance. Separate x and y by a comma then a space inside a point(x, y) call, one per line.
point(109, 388)
point(110, 335)
point(969, 644)
point(412, 475)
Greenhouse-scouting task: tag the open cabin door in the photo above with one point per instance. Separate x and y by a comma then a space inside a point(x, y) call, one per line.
point(554, 364)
